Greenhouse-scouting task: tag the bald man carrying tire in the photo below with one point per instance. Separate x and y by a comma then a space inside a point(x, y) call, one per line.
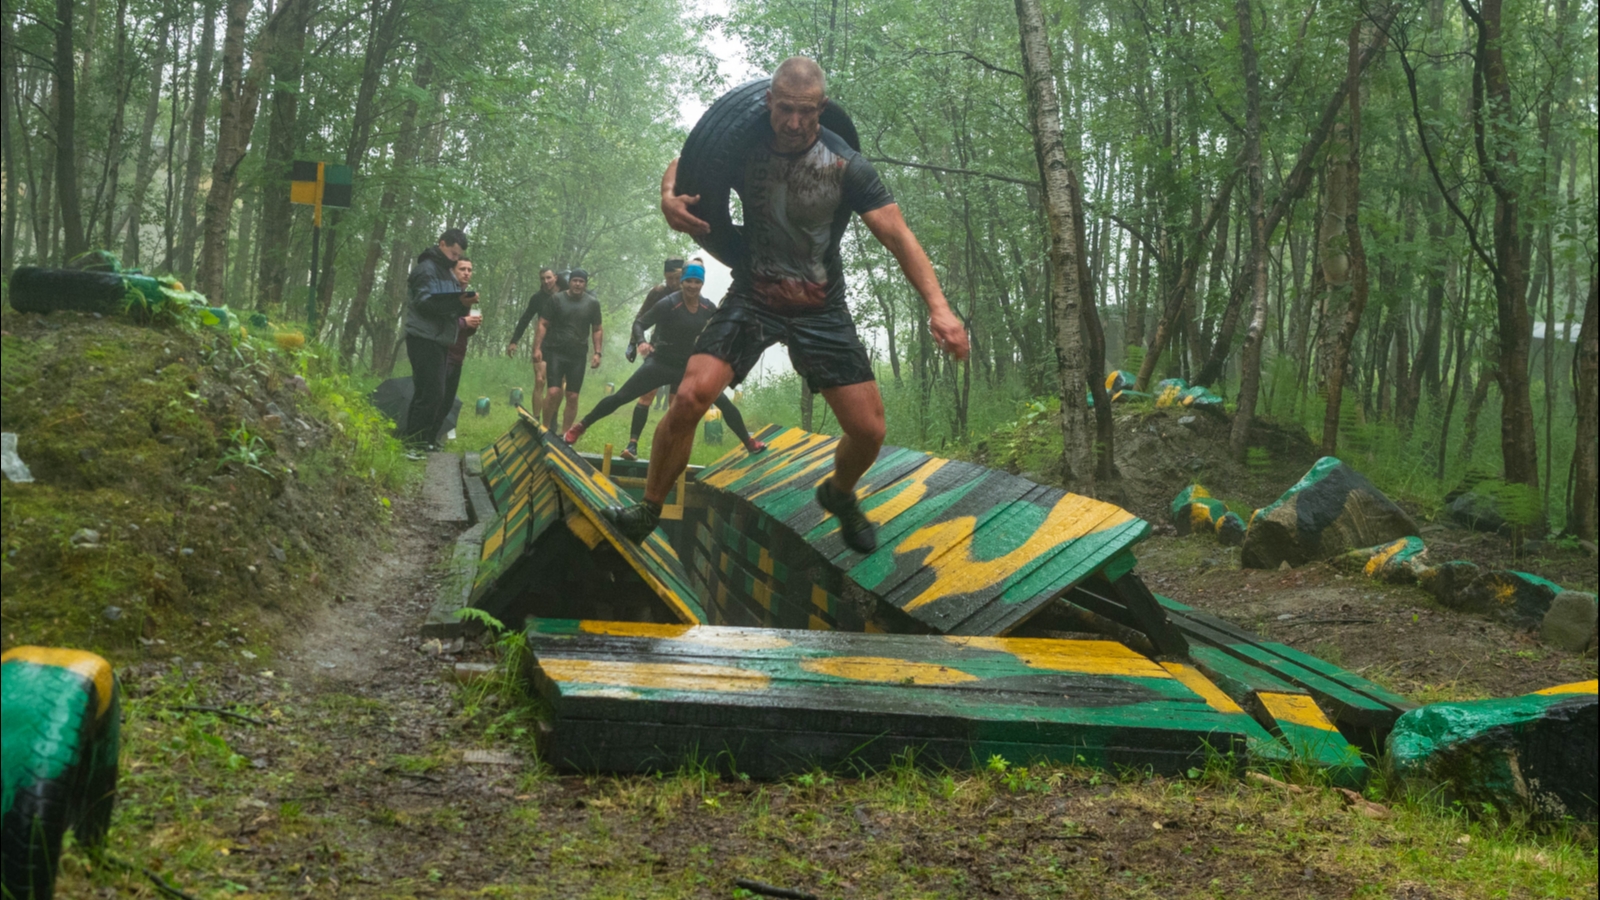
point(799, 185)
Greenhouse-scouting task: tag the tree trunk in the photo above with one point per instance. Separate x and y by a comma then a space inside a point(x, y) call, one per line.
point(239, 96)
point(382, 29)
point(1581, 518)
point(1066, 293)
point(8, 88)
point(1358, 259)
point(1175, 303)
point(1095, 342)
point(1250, 363)
point(199, 105)
point(144, 169)
point(283, 140)
point(405, 153)
point(66, 135)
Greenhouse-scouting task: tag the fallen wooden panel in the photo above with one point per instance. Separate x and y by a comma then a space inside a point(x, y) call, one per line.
point(632, 697)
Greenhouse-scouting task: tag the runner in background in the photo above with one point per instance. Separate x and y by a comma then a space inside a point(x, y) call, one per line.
point(569, 320)
point(678, 319)
point(549, 286)
point(672, 273)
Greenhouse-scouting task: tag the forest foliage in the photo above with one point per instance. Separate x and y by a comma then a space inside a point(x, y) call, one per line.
point(1401, 273)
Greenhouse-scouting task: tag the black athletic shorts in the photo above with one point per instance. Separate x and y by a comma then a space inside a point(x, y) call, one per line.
point(823, 346)
point(566, 367)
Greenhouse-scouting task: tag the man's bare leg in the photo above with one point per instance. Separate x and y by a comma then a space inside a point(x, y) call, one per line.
point(705, 378)
point(571, 414)
point(859, 409)
point(552, 402)
point(538, 379)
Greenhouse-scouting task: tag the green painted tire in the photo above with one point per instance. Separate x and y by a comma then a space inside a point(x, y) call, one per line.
point(60, 718)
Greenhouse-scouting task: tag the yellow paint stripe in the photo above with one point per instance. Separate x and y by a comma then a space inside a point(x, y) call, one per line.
point(815, 624)
point(1200, 684)
point(957, 572)
point(1382, 557)
point(584, 530)
point(633, 629)
point(1086, 657)
point(1577, 687)
point(916, 488)
point(667, 595)
point(662, 676)
point(794, 442)
point(819, 597)
point(81, 662)
point(886, 670)
point(1296, 709)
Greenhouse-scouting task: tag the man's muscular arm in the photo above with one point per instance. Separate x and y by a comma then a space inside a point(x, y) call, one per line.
point(890, 228)
point(675, 206)
point(599, 338)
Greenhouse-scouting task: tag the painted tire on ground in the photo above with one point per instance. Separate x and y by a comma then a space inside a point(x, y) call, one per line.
point(717, 144)
point(39, 290)
point(60, 718)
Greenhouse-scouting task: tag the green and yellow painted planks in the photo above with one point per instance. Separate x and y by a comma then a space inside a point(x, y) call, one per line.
point(961, 549)
point(636, 697)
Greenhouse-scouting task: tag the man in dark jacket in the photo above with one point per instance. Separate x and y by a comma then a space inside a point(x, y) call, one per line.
point(436, 301)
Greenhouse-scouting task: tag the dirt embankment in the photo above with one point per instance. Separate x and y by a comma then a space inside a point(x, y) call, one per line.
point(190, 486)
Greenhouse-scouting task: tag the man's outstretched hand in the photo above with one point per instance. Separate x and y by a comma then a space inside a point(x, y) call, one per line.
point(949, 333)
point(675, 206)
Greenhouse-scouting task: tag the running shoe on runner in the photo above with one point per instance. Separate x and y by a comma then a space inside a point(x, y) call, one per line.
point(859, 534)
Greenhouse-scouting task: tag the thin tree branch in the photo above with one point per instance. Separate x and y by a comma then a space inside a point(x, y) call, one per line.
point(965, 55)
point(949, 171)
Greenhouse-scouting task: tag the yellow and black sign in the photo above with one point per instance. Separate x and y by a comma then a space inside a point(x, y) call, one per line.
point(312, 183)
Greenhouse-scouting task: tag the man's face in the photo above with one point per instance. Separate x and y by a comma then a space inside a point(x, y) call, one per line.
point(452, 252)
point(674, 277)
point(463, 271)
point(577, 285)
point(691, 289)
point(547, 278)
point(796, 117)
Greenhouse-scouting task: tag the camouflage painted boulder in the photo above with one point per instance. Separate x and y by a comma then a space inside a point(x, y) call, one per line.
point(1516, 597)
point(1194, 510)
point(1447, 581)
point(1119, 380)
point(1230, 529)
point(1332, 510)
point(1536, 753)
point(1397, 562)
point(1200, 397)
point(60, 721)
point(1571, 622)
point(1169, 391)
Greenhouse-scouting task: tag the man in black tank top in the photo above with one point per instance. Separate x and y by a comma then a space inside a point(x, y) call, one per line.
point(678, 319)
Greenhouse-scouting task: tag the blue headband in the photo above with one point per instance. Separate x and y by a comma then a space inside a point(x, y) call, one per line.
point(694, 271)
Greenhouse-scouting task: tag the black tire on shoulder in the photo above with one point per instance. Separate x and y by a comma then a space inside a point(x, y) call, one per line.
point(715, 145)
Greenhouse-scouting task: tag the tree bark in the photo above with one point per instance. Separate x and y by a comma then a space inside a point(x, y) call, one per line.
point(1066, 292)
point(199, 106)
point(405, 153)
point(1358, 260)
point(1250, 362)
point(66, 135)
point(144, 169)
point(1581, 514)
point(8, 87)
point(382, 29)
point(1095, 342)
point(239, 96)
point(1175, 303)
point(283, 140)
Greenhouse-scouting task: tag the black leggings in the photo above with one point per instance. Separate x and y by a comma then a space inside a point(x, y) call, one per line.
point(653, 375)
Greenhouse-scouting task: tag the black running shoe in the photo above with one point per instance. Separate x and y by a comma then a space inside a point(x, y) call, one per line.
point(631, 452)
point(858, 533)
point(637, 522)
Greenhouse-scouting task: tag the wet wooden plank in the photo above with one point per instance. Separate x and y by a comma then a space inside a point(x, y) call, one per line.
point(715, 684)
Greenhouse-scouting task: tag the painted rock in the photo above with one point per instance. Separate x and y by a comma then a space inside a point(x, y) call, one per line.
point(60, 716)
point(1517, 597)
point(1570, 623)
point(1230, 529)
point(1119, 380)
point(1169, 391)
point(1330, 511)
point(1448, 580)
point(1535, 753)
point(1397, 562)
